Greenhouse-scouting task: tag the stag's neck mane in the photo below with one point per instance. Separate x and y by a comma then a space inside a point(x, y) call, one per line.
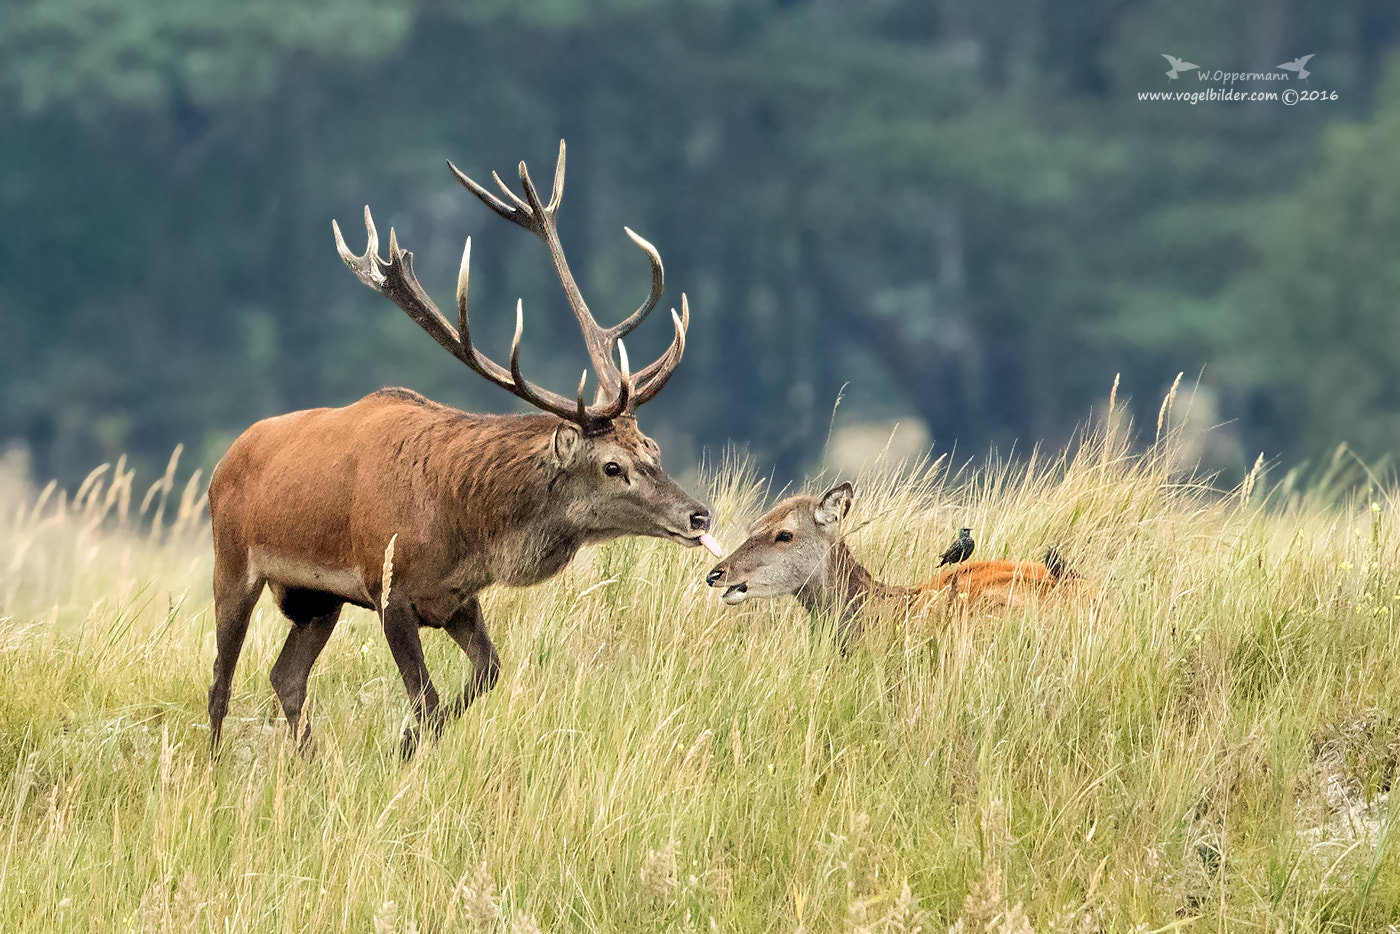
point(844, 585)
point(500, 466)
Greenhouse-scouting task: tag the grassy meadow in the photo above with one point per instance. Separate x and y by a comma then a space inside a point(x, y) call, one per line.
point(1206, 742)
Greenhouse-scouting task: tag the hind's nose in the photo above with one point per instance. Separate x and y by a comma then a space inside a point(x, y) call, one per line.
point(700, 521)
point(713, 577)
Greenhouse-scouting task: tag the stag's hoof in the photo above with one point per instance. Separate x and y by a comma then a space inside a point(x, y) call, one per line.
point(409, 744)
point(306, 745)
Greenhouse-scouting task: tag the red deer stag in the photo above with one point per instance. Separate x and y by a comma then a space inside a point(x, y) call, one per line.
point(310, 503)
point(797, 548)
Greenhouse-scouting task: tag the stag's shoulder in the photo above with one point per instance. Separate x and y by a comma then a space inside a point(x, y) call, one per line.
point(398, 394)
point(402, 409)
point(414, 405)
point(400, 397)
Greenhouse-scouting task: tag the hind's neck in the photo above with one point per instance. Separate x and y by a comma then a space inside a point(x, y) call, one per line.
point(844, 585)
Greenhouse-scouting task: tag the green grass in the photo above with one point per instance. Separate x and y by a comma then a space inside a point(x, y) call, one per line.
point(1206, 745)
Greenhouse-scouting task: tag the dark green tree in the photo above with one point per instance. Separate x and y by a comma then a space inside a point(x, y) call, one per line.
point(960, 209)
point(1318, 345)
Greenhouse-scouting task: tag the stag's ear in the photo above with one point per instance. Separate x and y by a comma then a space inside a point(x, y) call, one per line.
point(835, 504)
point(566, 441)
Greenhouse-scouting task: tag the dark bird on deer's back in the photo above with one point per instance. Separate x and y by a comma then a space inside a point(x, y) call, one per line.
point(1055, 563)
point(960, 550)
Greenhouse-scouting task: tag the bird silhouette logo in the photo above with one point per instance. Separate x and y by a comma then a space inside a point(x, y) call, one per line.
point(1179, 65)
point(1299, 65)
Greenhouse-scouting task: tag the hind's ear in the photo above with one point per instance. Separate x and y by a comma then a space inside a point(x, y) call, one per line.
point(566, 440)
point(835, 504)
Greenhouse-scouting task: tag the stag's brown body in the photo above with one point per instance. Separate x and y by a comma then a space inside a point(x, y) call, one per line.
point(412, 508)
point(797, 549)
point(473, 499)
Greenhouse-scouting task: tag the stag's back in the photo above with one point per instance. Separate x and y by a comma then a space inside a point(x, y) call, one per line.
point(311, 498)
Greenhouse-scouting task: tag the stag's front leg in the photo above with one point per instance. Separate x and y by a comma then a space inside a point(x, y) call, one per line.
point(401, 632)
point(467, 628)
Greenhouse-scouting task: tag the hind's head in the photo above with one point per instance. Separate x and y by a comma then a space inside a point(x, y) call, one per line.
point(789, 547)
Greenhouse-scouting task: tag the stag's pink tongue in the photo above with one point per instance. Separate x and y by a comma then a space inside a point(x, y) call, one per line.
point(709, 542)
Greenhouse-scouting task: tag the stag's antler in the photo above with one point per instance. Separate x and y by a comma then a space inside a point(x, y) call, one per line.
point(619, 391)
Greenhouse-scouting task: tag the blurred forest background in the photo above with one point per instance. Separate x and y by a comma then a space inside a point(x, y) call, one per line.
point(960, 209)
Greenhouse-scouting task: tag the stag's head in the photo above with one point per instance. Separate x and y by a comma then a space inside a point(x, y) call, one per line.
point(611, 483)
point(609, 476)
point(789, 548)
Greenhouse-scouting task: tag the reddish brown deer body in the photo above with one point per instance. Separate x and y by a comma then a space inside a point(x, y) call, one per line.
point(796, 548)
point(308, 503)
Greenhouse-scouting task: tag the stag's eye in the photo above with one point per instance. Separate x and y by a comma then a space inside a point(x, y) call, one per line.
point(612, 468)
point(783, 536)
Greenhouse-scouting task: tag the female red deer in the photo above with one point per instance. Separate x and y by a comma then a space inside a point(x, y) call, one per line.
point(309, 503)
point(797, 548)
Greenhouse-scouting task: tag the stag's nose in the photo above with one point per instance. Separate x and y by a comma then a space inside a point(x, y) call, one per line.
point(713, 577)
point(700, 521)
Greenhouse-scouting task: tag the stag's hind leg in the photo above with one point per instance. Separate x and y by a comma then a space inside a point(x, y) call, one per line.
point(313, 615)
point(467, 628)
point(234, 598)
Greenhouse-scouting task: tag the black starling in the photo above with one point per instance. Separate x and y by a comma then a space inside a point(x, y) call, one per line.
point(1055, 564)
point(960, 550)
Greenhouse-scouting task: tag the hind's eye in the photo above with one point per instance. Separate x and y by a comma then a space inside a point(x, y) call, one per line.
point(783, 536)
point(612, 468)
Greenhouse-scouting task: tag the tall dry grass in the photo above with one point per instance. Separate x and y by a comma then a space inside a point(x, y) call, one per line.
point(1206, 744)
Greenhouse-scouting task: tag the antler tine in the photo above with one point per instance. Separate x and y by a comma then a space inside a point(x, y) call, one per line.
point(472, 357)
point(515, 343)
point(622, 404)
point(540, 398)
point(658, 285)
point(656, 374)
point(531, 195)
point(346, 256)
point(510, 213)
point(515, 199)
point(511, 380)
point(373, 249)
point(464, 273)
point(557, 193)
